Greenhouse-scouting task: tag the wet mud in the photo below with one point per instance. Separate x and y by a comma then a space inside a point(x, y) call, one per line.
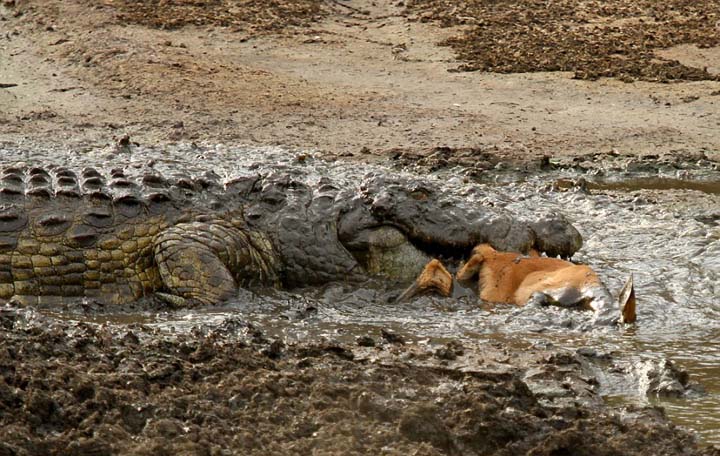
point(78, 388)
point(343, 369)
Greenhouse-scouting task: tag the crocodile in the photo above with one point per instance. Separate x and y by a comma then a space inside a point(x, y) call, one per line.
point(120, 236)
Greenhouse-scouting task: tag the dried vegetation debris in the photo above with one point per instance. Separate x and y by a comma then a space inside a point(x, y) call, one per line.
point(254, 15)
point(592, 38)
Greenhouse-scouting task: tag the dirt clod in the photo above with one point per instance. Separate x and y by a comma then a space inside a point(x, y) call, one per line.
point(392, 337)
point(258, 15)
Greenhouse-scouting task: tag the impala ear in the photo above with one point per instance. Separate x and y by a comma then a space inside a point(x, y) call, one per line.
point(470, 269)
point(472, 266)
point(434, 278)
point(627, 303)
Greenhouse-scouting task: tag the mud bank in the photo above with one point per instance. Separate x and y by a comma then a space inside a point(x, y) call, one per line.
point(80, 388)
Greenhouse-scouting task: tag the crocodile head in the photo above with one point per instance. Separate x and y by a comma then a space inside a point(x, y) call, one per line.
point(385, 225)
point(395, 226)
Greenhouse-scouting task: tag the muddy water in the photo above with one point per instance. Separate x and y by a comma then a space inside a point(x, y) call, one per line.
point(662, 227)
point(667, 236)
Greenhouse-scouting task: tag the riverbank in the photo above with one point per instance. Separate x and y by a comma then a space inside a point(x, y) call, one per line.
point(361, 79)
point(83, 388)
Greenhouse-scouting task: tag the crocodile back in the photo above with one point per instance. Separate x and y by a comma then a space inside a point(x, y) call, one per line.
point(89, 233)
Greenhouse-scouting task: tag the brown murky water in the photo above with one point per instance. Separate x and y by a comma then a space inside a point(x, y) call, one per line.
point(662, 227)
point(660, 183)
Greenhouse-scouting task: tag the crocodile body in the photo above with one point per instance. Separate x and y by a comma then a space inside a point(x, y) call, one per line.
point(195, 240)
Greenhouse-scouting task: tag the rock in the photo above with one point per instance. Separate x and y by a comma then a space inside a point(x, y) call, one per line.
point(365, 341)
point(392, 337)
point(450, 351)
point(662, 379)
point(274, 350)
point(89, 447)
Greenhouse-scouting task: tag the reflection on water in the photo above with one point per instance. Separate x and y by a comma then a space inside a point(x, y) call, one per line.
point(109, 318)
point(663, 230)
point(644, 183)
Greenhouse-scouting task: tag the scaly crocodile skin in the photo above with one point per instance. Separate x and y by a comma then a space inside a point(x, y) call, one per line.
point(195, 240)
point(64, 235)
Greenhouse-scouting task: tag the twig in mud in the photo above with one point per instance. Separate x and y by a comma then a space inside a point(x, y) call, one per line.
point(352, 8)
point(65, 89)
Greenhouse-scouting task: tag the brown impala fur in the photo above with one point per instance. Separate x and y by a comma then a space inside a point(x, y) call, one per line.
point(512, 278)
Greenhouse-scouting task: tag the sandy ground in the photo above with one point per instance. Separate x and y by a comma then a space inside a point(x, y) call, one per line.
point(365, 79)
